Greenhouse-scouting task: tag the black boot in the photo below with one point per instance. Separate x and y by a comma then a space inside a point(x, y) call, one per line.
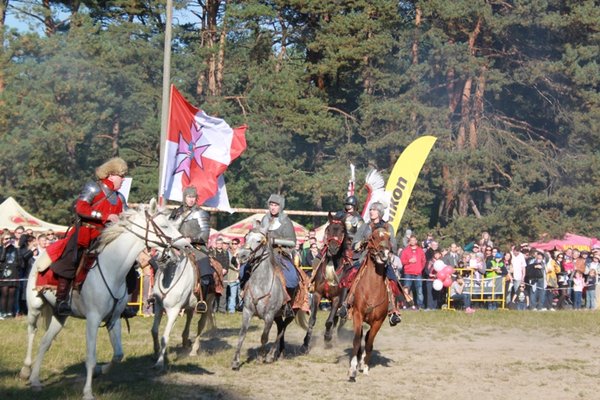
point(342, 311)
point(288, 311)
point(63, 307)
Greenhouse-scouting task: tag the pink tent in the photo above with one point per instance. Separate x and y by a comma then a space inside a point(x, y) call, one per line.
point(570, 241)
point(241, 228)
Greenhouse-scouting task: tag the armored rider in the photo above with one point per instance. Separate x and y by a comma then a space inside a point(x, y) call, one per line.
point(99, 203)
point(352, 221)
point(376, 211)
point(282, 235)
point(194, 224)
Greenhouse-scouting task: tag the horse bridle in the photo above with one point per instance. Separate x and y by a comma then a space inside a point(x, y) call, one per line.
point(374, 251)
point(253, 259)
point(336, 239)
point(164, 241)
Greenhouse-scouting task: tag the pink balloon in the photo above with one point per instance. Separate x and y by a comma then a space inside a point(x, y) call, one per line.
point(449, 270)
point(442, 275)
point(448, 282)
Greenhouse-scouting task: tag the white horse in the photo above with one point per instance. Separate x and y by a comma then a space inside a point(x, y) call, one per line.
point(172, 299)
point(103, 295)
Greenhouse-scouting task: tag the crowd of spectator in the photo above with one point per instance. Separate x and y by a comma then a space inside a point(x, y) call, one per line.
point(19, 250)
point(534, 279)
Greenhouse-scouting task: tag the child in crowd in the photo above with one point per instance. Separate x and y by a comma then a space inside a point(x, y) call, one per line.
point(456, 294)
point(578, 284)
point(590, 296)
point(521, 298)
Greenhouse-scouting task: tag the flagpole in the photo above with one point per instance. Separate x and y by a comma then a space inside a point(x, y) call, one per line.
point(165, 98)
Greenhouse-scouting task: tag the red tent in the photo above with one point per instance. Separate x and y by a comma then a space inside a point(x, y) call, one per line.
point(569, 241)
point(241, 228)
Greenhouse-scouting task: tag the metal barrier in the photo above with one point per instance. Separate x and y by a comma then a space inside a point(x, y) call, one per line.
point(140, 300)
point(482, 290)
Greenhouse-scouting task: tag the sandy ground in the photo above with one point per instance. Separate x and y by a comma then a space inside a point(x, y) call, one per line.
point(464, 358)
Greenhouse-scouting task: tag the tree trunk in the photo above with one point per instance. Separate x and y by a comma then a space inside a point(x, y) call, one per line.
point(3, 8)
point(116, 132)
point(415, 56)
point(477, 108)
point(471, 109)
point(212, 75)
point(50, 25)
point(221, 57)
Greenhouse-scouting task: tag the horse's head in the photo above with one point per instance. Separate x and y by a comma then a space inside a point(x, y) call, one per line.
point(153, 226)
point(335, 234)
point(379, 245)
point(255, 244)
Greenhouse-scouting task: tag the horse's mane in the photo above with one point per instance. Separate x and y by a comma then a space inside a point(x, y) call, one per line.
point(111, 232)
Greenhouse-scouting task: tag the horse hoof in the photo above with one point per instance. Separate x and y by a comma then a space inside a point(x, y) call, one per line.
point(304, 350)
point(328, 337)
point(351, 379)
point(159, 366)
point(25, 373)
point(36, 386)
point(235, 366)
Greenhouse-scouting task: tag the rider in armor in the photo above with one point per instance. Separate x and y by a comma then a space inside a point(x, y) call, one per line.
point(376, 211)
point(353, 222)
point(194, 224)
point(98, 204)
point(283, 237)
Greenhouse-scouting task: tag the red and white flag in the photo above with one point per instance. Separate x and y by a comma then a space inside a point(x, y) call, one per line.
point(198, 150)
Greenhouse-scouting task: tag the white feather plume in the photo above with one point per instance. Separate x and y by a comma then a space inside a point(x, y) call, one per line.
point(375, 184)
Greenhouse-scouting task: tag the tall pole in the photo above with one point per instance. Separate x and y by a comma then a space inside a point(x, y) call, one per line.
point(164, 116)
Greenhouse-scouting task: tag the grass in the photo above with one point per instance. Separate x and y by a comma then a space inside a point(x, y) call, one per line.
point(63, 370)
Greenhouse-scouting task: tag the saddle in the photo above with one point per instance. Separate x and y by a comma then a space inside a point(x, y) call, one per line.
point(47, 280)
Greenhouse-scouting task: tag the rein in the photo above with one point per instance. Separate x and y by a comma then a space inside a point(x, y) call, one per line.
point(115, 299)
point(173, 284)
point(255, 262)
point(164, 240)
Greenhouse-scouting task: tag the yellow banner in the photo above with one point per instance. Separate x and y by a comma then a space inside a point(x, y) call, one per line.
point(404, 175)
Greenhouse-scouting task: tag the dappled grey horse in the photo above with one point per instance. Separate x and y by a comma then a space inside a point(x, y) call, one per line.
point(264, 295)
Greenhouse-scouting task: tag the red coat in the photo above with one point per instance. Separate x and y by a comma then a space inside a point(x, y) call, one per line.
point(415, 268)
point(91, 225)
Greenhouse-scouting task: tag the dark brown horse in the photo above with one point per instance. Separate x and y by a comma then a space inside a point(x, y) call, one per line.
point(371, 298)
point(326, 280)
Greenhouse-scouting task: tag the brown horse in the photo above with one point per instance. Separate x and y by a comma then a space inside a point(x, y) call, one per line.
point(371, 298)
point(326, 279)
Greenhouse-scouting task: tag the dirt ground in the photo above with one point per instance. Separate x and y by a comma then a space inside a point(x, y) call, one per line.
point(461, 356)
point(430, 355)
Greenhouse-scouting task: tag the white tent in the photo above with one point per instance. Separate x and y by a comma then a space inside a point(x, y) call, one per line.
point(13, 215)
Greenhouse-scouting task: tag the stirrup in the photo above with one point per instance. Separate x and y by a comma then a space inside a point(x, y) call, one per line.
point(129, 312)
point(239, 307)
point(201, 307)
point(288, 311)
point(63, 309)
point(395, 319)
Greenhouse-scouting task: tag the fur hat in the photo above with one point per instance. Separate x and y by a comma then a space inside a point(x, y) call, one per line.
point(114, 166)
point(278, 199)
point(379, 207)
point(190, 191)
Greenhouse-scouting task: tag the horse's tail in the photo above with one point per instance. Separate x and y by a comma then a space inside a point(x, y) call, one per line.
point(302, 319)
point(46, 309)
